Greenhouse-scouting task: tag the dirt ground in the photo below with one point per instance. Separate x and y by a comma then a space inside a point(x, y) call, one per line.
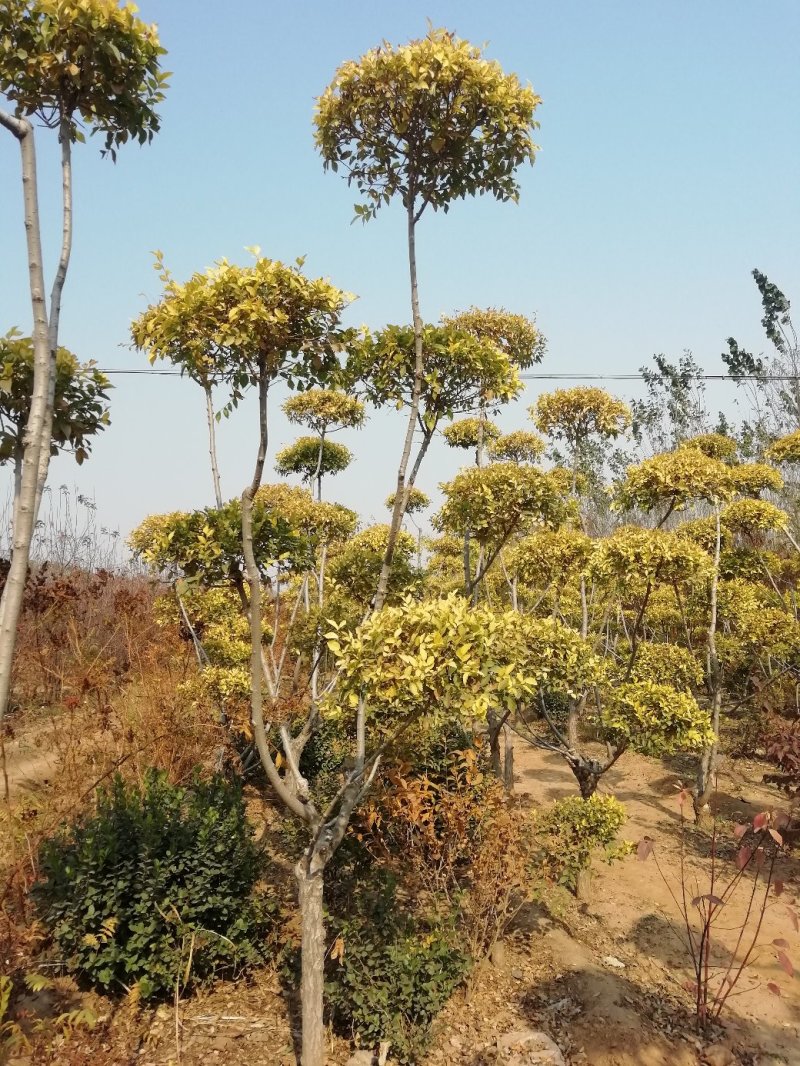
point(604, 978)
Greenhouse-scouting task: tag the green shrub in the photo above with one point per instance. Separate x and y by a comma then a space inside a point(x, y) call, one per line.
point(153, 876)
point(389, 975)
point(571, 830)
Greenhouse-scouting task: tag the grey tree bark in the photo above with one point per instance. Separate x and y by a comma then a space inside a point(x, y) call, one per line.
point(34, 443)
point(707, 767)
point(400, 499)
point(212, 445)
point(310, 883)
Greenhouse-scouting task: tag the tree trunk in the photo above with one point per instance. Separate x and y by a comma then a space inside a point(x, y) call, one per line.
point(400, 496)
point(508, 761)
point(494, 743)
point(26, 503)
point(583, 885)
point(54, 318)
point(587, 773)
point(707, 767)
point(467, 563)
point(212, 445)
point(310, 883)
point(573, 715)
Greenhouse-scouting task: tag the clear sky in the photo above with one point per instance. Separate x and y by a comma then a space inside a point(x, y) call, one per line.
point(669, 168)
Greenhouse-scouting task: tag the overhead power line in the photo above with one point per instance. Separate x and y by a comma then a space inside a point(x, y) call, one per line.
point(641, 377)
point(735, 378)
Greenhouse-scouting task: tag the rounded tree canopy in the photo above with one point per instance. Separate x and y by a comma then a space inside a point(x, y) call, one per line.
point(752, 478)
point(514, 334)
point(703, 531)
point(654, 719)
point(715, 445)
point(469, 432)
point(80, 408)
point(311, 458)
point(786, 449)
point(751, 516)
point(676, 478)
point(459, 371)
point(667, 664)
point(430, 121)
point(549, 555)
point(417, 501)
point(355, 566)
point(444, 658)
point(575, 415)
point(325, 410)
point(206, 545)
point(648, 554)
point(520, 446)
point(235, 324)
point(495, 500)
point(89, 63)
point(315, 519)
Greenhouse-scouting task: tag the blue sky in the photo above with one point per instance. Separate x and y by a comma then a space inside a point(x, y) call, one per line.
point(668, 169)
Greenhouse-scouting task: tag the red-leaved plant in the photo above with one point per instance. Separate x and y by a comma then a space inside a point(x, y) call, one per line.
point(761, 845)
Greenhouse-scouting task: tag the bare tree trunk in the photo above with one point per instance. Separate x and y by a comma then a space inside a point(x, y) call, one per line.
point(400, 496)
point(479, 571)
point(17, 485)
point(212, 445)
point(707, 767)
point(494, 743)
point(318, 472)
point(33, 440)
point(574, 715)
point(55, 306)
point(508, 760)
point(465, 554)
point(587, 773)
point(310, 882)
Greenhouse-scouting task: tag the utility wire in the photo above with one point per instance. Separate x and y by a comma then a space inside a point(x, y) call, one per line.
point(532, 377)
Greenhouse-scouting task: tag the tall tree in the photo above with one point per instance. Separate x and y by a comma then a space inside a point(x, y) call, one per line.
point(427, 123)
point(71, 65)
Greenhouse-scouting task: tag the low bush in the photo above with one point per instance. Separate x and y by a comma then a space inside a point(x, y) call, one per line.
point(570, 831)
point(389, 975)
point(156, 883)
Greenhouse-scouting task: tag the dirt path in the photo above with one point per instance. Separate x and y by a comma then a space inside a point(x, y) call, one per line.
point(633, 911)
point(30, 759)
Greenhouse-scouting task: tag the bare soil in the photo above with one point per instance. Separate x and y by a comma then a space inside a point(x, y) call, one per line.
point(604, 978)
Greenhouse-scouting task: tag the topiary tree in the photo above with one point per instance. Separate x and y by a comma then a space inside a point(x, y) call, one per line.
point(520, 446)
point(514, 334)
point(324, 411)
point(495, 502)
point(460, 372)
point(313, 458)
point(389, 120)
point(72, 65)
point(673, 481)
point(581, 418)
point(472, 432)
